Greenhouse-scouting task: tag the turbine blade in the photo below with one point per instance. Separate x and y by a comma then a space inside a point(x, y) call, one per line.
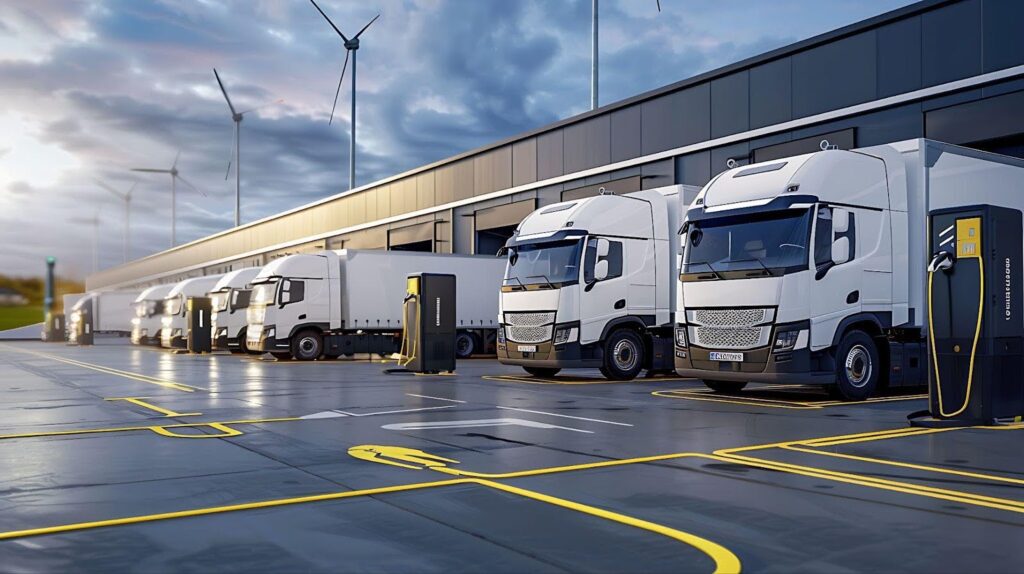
point(223, 91)
point(150, 170)
point(131, 190)
point(338, 91)
point(176, 156)
point(317, 6)
point(368, 25)
point(194, 188)
point(267, 105)
point(659, 5)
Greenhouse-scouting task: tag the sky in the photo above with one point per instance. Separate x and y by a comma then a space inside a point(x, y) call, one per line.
point(91, 89)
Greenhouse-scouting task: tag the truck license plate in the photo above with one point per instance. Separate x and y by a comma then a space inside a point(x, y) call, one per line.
point(736, 357)
point(527, 348)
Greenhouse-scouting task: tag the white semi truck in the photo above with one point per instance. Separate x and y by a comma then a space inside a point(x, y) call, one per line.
point(334, 303)
point(592, 283)
point(812, 269)
point(101, 312)
point(149, 310)
point(229, 300)
point(173, 325)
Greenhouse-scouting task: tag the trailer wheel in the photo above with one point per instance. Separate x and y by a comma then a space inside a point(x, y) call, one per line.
point(724, 386)
point(542, 372)
point(858, 367)
point(307, 345)
point(465, 345)
point(623, 356)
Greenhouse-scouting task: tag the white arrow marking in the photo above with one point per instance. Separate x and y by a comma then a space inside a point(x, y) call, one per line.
point(477, 423)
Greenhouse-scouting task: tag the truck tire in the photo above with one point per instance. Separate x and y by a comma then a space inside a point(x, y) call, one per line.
point(623, 355)
point(542, 372)
point(724, 386)
point(858, 367)
point(307, 345)
point(465, 345)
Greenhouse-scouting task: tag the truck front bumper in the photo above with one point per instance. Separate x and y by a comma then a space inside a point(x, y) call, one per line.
point(548, 355)
point(265, 341)
point(799, 367)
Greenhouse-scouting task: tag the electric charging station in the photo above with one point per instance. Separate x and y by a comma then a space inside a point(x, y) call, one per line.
point(975, 321)
point(197, 319)
point(54, 329)
point(82, 329)
point(429, 316)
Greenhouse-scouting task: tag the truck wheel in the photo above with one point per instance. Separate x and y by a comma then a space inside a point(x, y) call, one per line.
point(465, 345)
point(724, 386)
point(858, 367)
point(542, 372)
point(623, 356)
point(307, 345)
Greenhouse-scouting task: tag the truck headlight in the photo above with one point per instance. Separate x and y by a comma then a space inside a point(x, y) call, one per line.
point(787, 340)
point(681, 337)
point(501, 334)
point(565, 335)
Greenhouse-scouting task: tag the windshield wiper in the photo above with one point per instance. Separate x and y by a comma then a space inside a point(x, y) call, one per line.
point(520, 287)
point(764, 271)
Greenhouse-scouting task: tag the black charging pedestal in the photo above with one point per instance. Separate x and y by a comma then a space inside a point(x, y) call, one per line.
point(197, 319)
point(975, 322)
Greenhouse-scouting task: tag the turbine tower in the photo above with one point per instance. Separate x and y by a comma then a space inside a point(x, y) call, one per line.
point(593, 52)
point(236, 153)
point(127, 198)
point(351, 47)
point(173, 172)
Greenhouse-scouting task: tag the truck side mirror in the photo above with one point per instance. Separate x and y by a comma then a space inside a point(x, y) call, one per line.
point(286, 293)
point(840, 221)
point(601, 269)
point(840, 250)
point(603, 247)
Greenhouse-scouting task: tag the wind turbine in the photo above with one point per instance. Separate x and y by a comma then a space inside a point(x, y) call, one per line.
point(95, 222)
point(127, 198)
point(236, 153)
point(593, 52)
point(351, 47)
point(174, 191)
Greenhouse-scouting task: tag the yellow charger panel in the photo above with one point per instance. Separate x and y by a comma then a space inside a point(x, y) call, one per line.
point(412, 286)
point(968, 238)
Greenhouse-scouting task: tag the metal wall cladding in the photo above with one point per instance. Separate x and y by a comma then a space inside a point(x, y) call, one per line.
point(899, 61)
point(587, 144)
point(771, 93)
point(834, 75)
point(626, 137)
point(676, 119)
point(951, 42)
point(1003, 40)
point(524, 162)
point(730, 104)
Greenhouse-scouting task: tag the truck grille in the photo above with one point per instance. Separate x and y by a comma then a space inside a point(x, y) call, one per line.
point(529, 334)
point(731, 338)
point(730, 317)
point(529, 327)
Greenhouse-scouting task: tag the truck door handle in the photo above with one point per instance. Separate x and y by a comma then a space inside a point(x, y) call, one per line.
point(620, 304)
point(853, 297)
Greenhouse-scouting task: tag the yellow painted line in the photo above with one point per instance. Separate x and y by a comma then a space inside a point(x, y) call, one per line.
point(140, 401)
point(725, 560)
point(910, 432)
point(546, 381)
point(159, 429)
point(890, 433)
point(926, 468)
point(112, 371)
point(709, 396)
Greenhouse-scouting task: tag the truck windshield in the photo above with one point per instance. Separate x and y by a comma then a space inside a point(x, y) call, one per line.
point(549, 265)
point(264, 293)
point(733, 247)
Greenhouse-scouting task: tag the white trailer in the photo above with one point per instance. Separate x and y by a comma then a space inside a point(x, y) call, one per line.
point(149, 310)
point(334, 303)
point(229, 300)
point(812, 269)
point(107, 312)
point(173, 327)
point(591, 283)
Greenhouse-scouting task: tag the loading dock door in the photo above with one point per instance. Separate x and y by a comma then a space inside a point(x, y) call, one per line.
point(494, 225)
point(418, 237)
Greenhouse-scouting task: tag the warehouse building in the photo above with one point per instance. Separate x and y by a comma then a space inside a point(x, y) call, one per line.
point(946, 70)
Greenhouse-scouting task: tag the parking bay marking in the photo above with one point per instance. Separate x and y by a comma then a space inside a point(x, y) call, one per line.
point(431, 425)
point(725, 560)
point(435, 398)
point(564, 416)
point(755, 401)
point(140, 401)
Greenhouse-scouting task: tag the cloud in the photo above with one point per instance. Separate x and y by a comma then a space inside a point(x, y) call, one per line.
point(117, 84)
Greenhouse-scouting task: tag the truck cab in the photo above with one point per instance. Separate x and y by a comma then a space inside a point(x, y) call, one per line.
point(149, 310)
point(787, 273)
point(588, 284)
point(173, 327)
point(289, 295)
point(229, 301)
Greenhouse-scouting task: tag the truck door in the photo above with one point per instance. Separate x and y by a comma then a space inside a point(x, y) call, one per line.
point(836, 274)
point(604, 287)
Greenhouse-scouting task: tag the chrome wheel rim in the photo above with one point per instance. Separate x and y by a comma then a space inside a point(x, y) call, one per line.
point(307, 345)
point(858, 366)
point(625, 355)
